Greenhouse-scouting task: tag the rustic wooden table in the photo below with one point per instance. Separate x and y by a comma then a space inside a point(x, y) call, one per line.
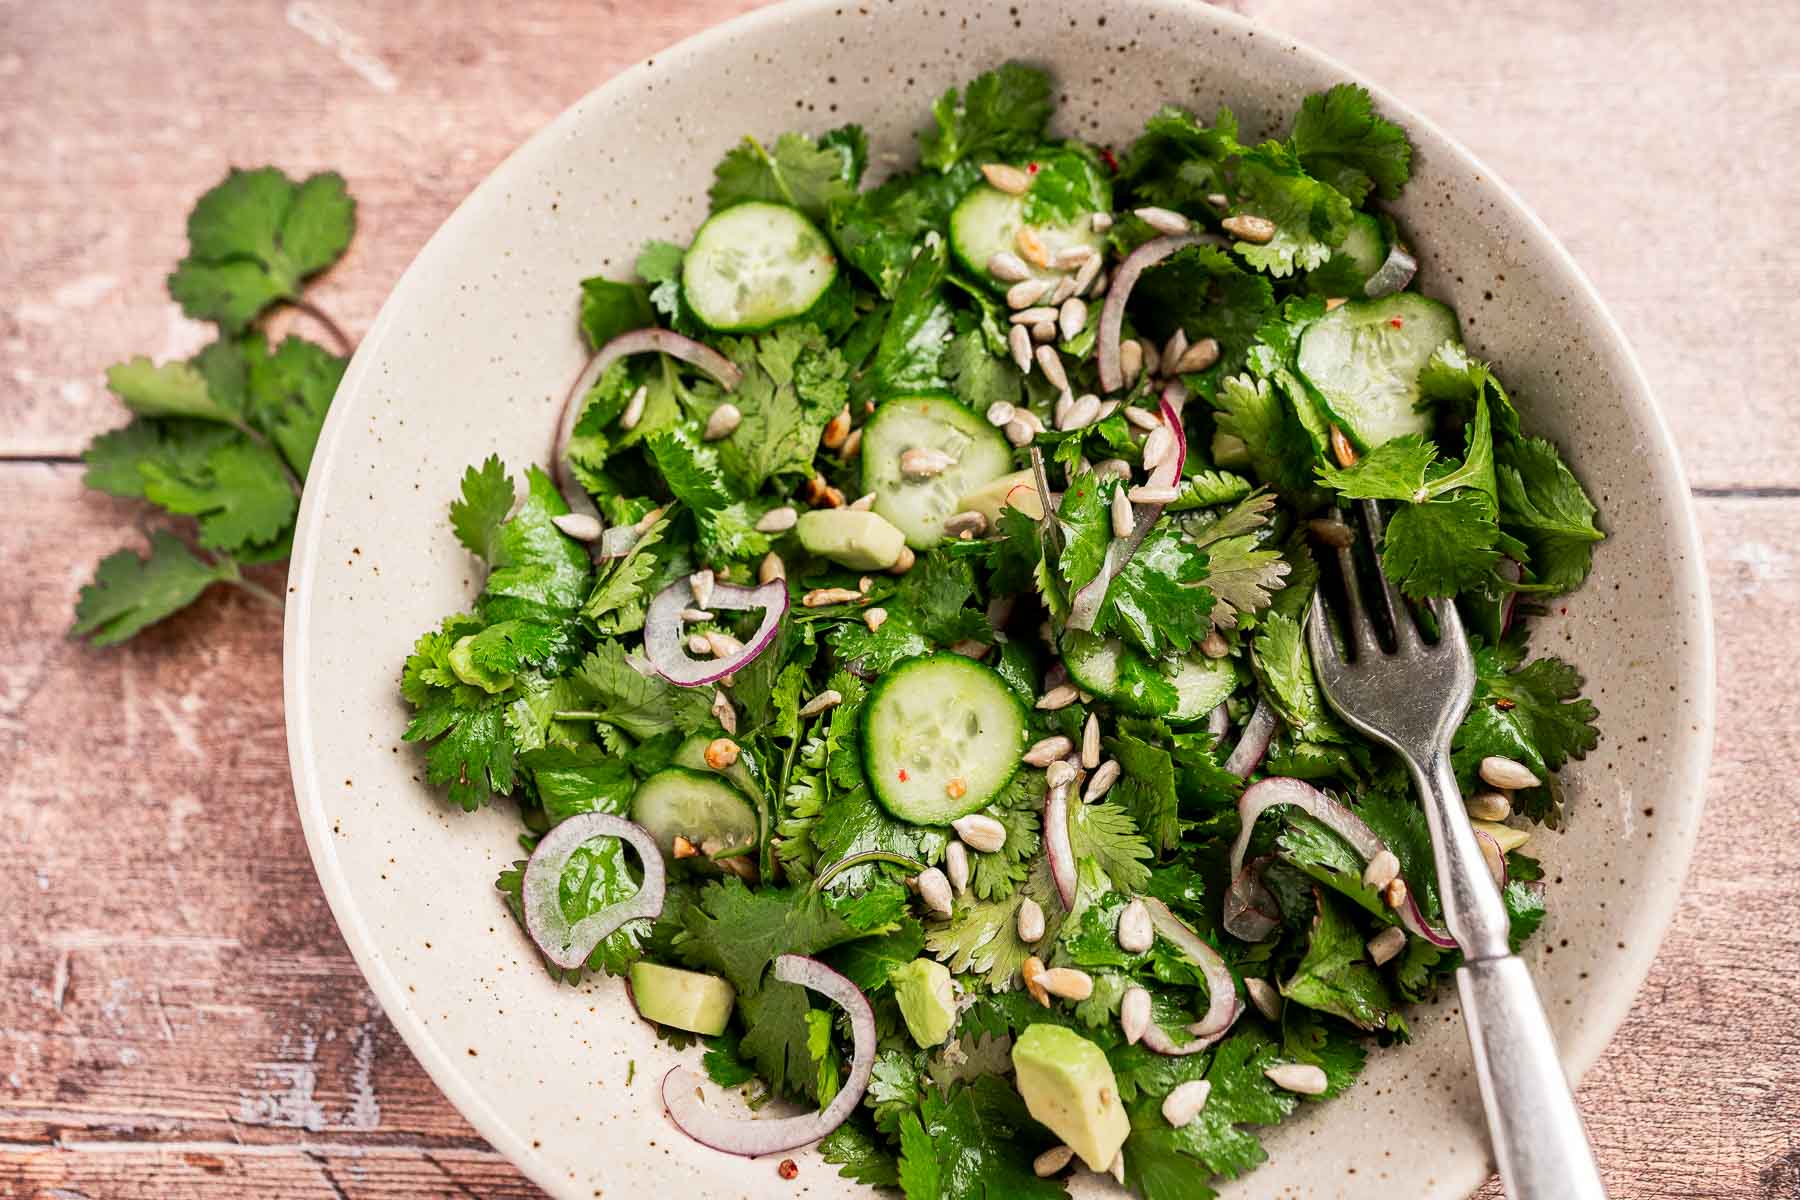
point(180, 1017)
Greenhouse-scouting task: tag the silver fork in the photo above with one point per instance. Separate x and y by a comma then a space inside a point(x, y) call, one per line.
point(1412, 700)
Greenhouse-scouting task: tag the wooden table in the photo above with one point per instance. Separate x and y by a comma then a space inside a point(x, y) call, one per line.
point(180, 1017)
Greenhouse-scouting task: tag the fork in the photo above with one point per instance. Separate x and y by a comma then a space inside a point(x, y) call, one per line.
point(1412, 699)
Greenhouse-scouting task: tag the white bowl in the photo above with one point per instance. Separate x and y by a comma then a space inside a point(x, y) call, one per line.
point(474, 349)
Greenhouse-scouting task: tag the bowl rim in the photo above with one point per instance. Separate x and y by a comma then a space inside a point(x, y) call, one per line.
point(1657, 909)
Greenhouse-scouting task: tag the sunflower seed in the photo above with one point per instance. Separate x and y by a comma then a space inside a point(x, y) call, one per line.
point(720, 753)
point(836, 429)
point(580, 526)
point(1386, 944)
point(700, 583)
point(1031, 921)
point(1051, 364)
point(1090, 742)
point(1164, 220)
point(1108, 408)
point(1085, 412)
point(904, 563)
point(1184, 1103)
point(1065, 287)
point(1141, 417)
point(1117, 1168)
point(1105, 775)
point(1101, 222)
point(1008, 268)
point(1131, 360)
point(851, 445)
point(1135, 933)
point(1158, 446)
point(1067, 983)
point(1264, 996)
point(1008, 179)
point(1257, 230)
point(1018, 432)
point(1173, 349)
point(1146, 493)
point(1341, 449)
point(697, 644)
point(723, 645)
point(1060, 773)
point(1218, 200)
point(1152, 360)
point(1490, 806)
point(1071, 319)
point(1060, 410)
point(772, 568)
point(1114, 468)
point(820, 597)
point(724, 420)
point(723, 712)
point(1303, 1078)
point(969, 524)
point(1089, 272)
point(1214, 645)
point(1052, 1160)
point(695, 614)
point(634, 409)
point(1506, 773)
point(1099, 286)
point(1034, 315)
point(1019, 342)
point(934, 889)
point(1044, 332)
point(1026, 292)
point(1032, 247)
point(1382, 870)
point(1032, 421)
point(1043, 753)
point(1134, 1014)
point(980, 832)
point(956, 866)
point(1395, 892)
point(829, 698)
point(1199, 356)
point(778, 520)
point(924, 462)
point(1332, 532)
point(1000, 412)
point(874, 618)
point(1031, 973)
point(1070, 257)
point(863, 503)
point(1333, 303)
point(1122, 517)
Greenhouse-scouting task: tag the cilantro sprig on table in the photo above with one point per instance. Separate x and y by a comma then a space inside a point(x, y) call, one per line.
point(225, 438)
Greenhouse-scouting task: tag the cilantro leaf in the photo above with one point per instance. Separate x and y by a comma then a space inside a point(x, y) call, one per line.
point(1543, 505)
point(1066, 185)
point(860, 1156)
point(487, 500)
point(1274, 443)
point(1336, 977)
point(255, 238)
point(979, 377)
point(1443, 546)
point(690, 469)
point(1084, 516)
point(1000, 114)
point(1160, 1161)
point(974, 1142)
point(1107, 834)
point(241, 492)
point(288, 391)
point(993, 876)
point(609, 308)
point(621, 597)
point(1452, 382)
point(1310, 217)
point(912, 340)
point(981, 937)
point(174, 389)
point(1394, 470)
point(617, 693)
point(793, 383)
point(1177, 162)
point(129, 593)
point(1153, 601)
point(1146, 787)
point(1283, 665)
point(538, 572)
point(1341, 140)
point(797, 172)
point(1203, 291)
point(1531, 713)
point(877, 230)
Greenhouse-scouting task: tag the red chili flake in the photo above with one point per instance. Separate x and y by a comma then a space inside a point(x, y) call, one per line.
point(1031, 168)
point(1396, 322)
point(1112, 161)
point(902, 775)
point(788, 1169)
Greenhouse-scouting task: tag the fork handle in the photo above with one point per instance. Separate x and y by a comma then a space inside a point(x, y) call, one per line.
point(1539, 1142)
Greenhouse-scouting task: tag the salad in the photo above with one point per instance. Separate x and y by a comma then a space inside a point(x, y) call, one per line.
point(899, 669)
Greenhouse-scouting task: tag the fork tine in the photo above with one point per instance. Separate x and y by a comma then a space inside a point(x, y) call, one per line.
point(1450, 626)
point(1325, 654)
point(1406, 634)
point(1364, 640)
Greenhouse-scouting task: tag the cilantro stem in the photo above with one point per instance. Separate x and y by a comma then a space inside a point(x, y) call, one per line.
point(734, 852)
point(577, 714)
point(867, 856)
point(332, 327)
point(252, 588)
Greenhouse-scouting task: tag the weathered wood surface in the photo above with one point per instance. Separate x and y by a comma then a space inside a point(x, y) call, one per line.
point(180, 1017)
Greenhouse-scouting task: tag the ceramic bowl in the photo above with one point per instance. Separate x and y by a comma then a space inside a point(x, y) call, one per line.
point(474, 350)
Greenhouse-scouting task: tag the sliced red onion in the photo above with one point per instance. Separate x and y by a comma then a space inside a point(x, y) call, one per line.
point(1251, 911)
point(1172, 401)
point(1218, 722)
point(1222, 1004)
point(750, 1138)
point(1337, 816)
point(568, 945)
point(637, 341)
point(1493, 855)
point(1509, 571)
point(666, 645)
point(1253, 743)
point(1057, 850)
point(1395, 272)
point(1112, 312)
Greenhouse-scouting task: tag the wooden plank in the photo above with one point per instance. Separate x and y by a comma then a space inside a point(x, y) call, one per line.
point(177, 979)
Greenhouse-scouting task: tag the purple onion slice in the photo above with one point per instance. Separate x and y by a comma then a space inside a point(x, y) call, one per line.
point(1253, 743)
point(666, 645)
point(1057, 850)
point(568, 944)
point(1112, 311)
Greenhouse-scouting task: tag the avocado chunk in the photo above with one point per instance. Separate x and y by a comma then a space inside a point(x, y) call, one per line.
point(1018, 490)
point(861, 541)
point(1508, 838)
point(927, 1000)
point(681, 999)
point(1068, 1087)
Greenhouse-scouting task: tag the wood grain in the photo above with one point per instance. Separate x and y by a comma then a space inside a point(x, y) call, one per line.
point(180, 1017)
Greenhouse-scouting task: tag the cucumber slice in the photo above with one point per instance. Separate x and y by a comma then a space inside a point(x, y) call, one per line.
point(1186, 691)
point(1364, 357)
point(937, 422)
point(692, 755)
point(681, 999)
point(755, 265)
point(1355, 259)
point(987, 222)
point(941, 736)
point(699, 806)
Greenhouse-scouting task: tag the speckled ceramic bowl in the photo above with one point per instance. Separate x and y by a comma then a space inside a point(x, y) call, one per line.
point(476, 346)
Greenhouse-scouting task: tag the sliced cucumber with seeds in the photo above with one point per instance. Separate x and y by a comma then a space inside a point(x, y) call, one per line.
point(692, 755)
point(987, 222)
point(1186, 691)
point(941, 737)
point(755, 265)
point(979, 454)
point(696, 805)
point(1364, 357)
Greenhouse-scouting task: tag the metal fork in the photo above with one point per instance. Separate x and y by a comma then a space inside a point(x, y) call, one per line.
point(1413, 699)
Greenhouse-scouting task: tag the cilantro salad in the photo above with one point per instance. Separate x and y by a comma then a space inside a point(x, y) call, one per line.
point(899, 671)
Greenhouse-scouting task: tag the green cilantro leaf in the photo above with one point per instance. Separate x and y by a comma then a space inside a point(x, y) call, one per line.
point(1283, 665)
point(1543, 505)
point(538, 572)
point(860, 1156)
point(242, 494)
point(797, 172)
point(912, 341)
point(616, 692)
point(974, 1142)
point(690, 469)
point(1107, 834)
point(999, 115)
point(1177, 162)
point(621, 597)
point(1336, 977)
point(1341, 141)
point(175, 389)
point(981, 937)
point(1451, 381)
point(1533, 714)
point(1310, 217)
point(1146, 787)
point(1394, 470)
point(129, 593)
point(979, 377)
point(1160, 1161)
point(877, 230)
point(255, 238)
point(1203, 291)
point(288, 392)
point(609, 308)
point(1154, 601)
point(1066, 185)
point(1442, 547)
point(793, 384)
point(487, 500)
point(1274, 443)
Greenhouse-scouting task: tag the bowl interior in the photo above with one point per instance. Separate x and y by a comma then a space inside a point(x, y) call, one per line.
point(473, 351)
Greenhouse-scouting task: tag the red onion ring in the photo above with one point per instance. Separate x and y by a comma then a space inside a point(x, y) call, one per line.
point(1494, 856)
point(1337, 816)
point(1251, 911)
point(637, 341)
point(665, 645)
point(568, 945)
point(1395, 272)
point(1222, 1004)
point(1218, 723)
point(1112, 311)
point(1253, 743)
point(1509, 571)
point(1057, 850)
point(680, 1087)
